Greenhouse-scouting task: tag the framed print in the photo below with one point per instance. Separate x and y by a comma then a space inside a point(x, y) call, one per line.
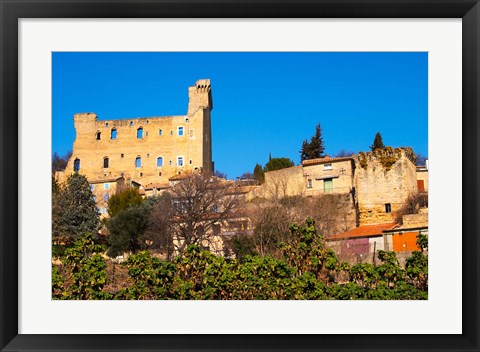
point(47, 51)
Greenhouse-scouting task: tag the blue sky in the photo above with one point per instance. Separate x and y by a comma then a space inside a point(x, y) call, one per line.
point(263, 102)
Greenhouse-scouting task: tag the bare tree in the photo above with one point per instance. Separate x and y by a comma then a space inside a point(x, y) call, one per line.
point(197, 203)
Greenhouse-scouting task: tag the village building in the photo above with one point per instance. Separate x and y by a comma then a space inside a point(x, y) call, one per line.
point(329, 175)
point(422, 178)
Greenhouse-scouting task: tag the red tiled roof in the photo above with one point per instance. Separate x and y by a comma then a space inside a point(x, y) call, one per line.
point(327, 159)
point(364, 231)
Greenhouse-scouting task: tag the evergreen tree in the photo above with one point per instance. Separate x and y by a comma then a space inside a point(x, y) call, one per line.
point(377, 142)
point(123, 200)
point(258, 174)
point(278, 163)
point(74, 211)
point(315, 149)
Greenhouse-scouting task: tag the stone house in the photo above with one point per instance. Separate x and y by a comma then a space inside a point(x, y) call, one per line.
point(422, 178)
point(359, 245)
point(329, 175)
point(105, 187)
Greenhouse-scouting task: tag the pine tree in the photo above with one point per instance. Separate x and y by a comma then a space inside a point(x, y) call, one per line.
point(74, 211)
point(258, 174)
point(377, 142)
point(315, 149)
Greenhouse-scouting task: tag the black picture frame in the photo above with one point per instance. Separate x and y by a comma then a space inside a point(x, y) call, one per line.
point(11, 11)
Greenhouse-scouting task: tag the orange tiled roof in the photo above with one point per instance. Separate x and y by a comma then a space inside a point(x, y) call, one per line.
point(326, 159)
point(178, 177)
point(364, 231)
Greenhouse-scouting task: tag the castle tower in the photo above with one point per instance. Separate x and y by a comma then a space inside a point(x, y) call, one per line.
point(148, 150)
point(383, 181)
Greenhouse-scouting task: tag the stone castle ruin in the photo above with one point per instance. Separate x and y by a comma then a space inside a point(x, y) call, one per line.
point(148, 149)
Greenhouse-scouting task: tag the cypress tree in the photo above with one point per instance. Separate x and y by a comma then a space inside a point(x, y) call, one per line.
point(377, 142)
point(258, 174)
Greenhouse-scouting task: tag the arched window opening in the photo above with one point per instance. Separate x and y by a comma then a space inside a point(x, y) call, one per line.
point(180, 161)
point(138, 162)
point(131, 123)
point(160, 132)
point(180, 131)
point(140, 133)
point(159, 161)
point(106, 162)
point(76, 165)
point(98, 135)
point(113, 134)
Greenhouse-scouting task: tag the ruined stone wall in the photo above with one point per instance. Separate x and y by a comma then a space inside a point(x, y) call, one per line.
point(168, 137)
point(384, 176)
point(281, 183)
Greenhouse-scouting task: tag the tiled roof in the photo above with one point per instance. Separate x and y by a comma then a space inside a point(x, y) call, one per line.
point(179, 177)
point(103, 180)
point(364, 231)
point(327, 159)
point(157, 185)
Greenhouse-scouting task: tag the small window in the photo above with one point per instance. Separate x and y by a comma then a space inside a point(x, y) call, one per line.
point(190, 161)
point(388, 208)
point(309, 183)
point(180, 161)
point(148, 155)
point(140, 133)
point(141, 174)
point(138, 162)
point(106, 124)
point(131, 123)
point(76, 165)
point(159, 161)
point(98, 135)
point(160, 132)
point(171, 133)
point(327, 167)
point(113, 134)
point(146, 134)
point(106, 197)
point(160, 173)
point(122, 155)
point(170, 162)
point(147, 122)
point(106, 185)
point(180, 131)
point(106, 162)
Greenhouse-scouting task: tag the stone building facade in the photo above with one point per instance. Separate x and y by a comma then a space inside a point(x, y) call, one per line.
point(384, 179)
point(378, 182)
point(148, 150)
point(329, 175)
